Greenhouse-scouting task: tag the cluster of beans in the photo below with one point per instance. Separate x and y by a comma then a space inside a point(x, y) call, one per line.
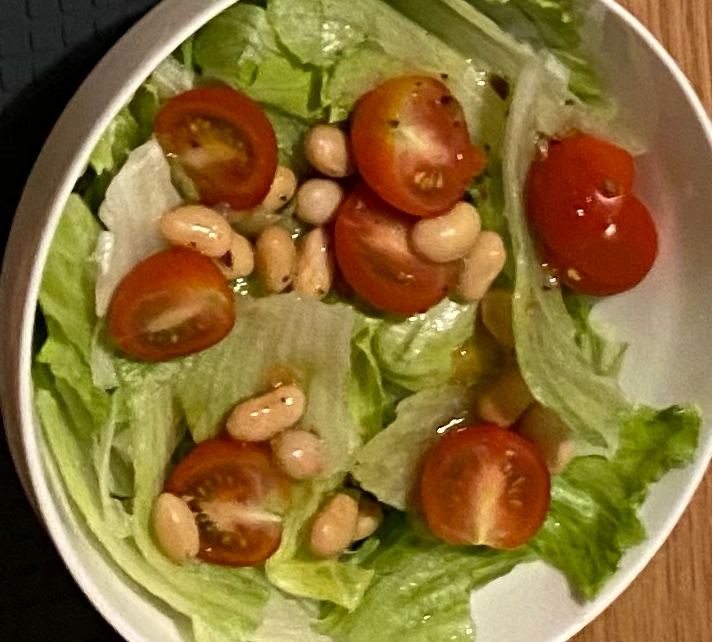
point(274, 417)
point(308, 266)
point(280, 263)
point(506, 399)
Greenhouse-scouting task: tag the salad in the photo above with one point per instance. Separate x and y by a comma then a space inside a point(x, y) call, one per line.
point(314, 350)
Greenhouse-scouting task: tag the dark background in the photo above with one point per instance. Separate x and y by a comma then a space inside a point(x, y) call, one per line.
point(47, 48)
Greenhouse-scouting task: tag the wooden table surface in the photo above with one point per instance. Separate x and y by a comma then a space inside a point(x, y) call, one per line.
point(671, 601)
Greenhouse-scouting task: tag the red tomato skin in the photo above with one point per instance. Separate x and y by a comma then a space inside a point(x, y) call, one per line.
point(411, 145)
point(371, 242)
point(596, 236)
point(470, 490)
point(173, 280)
point(228, 470)
point(241, 181)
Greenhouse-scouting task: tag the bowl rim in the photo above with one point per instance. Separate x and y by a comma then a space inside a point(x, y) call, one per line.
point(94, 105)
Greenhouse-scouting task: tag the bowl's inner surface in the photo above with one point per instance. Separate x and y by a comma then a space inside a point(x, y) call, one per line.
point(665, 321)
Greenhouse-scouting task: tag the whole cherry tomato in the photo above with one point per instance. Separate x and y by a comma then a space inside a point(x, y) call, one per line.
point(595, 235)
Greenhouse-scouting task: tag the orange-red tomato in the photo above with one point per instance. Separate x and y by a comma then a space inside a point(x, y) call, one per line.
point(239, 496)
point(411, 145)
point(171, 304)
point(595, 235)
point(484, 485)
point(371, 241)
point(224, 141)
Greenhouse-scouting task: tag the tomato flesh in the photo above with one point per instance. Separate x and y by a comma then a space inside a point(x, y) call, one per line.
point(239, 496)
point(224, 141)
point(484, 485)
point(596, 236)
point(172, 304)
point(411, 145)
point(373, 252)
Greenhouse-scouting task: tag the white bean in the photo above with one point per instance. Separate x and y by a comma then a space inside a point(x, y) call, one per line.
point(448, 237)
point(481, 266)
point(328, 150)
point(315, 270)
point(263, 417)
point(276, 258)
point(239, 260)
point(334, 527)
point(199, 228)
point(318, 199)
point(175, 528)
point(370, 516)
point(544, 429)
point(299, 453)
point(505, 398)
point(496, 311)
point(282, 189)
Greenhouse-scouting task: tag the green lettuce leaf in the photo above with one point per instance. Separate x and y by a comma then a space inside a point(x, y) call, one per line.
point(420, 591)
point(71, 261)
point(138, 196)
point(317, 31)
point(294, 570)
point(593, 518)
point(120, 137)
point(554, 25)
point(239, 47)
point(369, 404)
point(360, 70)
point(387, 466)
point(290, 132)
point(82, 424)
point(418, 352)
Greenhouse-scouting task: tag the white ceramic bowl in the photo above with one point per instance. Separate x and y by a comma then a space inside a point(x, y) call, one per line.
point(666, 320)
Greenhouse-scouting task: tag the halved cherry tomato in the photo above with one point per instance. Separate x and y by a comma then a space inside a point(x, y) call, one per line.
point(373, 252)
point(224, 141)
point(239, 496)
point(596, 236)
point(484, 485)
point(171, 304)
point(411, 145)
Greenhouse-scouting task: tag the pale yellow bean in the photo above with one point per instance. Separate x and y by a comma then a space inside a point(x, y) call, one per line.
point(328, 150)
point(283, 187)
point(505, 398)
point(334, 527)
point(317, 200)
point(175, 528)
point(198, 228)
point(481, 266)
point(447, 237)
point(315, 268)
point(239, 260)
point(264, 417)
point(496, 311)
point(276, 258)
point(300, 454)
point(545, 429)
point(370, 516)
